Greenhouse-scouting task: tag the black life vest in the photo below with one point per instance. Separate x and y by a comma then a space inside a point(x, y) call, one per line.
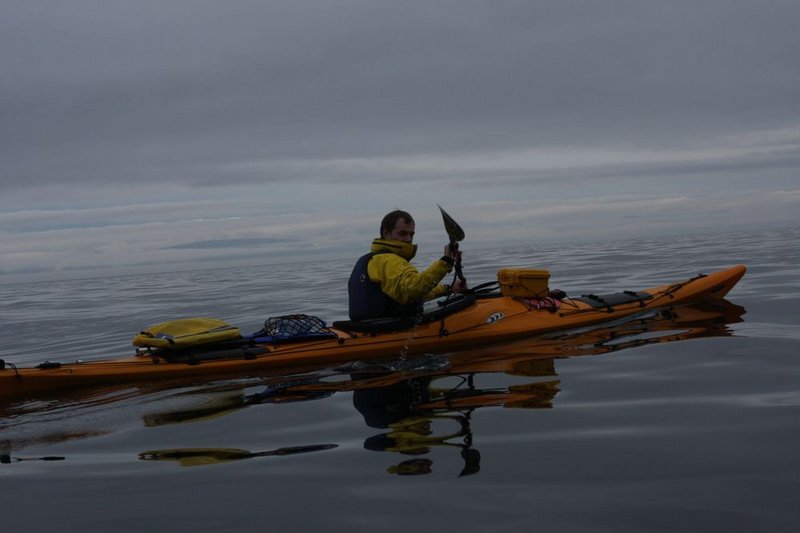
point(367, 300)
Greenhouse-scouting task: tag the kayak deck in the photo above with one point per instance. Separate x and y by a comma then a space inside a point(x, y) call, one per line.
point(486, 321)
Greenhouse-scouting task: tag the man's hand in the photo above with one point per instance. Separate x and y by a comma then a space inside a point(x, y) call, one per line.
point(452, 252)
point(459, 286)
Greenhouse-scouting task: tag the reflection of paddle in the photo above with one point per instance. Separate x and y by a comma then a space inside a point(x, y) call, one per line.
point(456, 235)
point(5, 458)
point(207, 456)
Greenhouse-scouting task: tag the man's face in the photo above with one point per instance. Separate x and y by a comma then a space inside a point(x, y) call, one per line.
point(403, 231)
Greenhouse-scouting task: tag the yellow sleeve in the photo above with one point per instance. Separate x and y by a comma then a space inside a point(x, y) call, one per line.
point(402, 282)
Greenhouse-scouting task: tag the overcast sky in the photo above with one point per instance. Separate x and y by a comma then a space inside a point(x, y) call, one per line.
point(180, 133)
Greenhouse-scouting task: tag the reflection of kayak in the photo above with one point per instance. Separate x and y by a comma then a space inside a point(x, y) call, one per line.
point(460, 322)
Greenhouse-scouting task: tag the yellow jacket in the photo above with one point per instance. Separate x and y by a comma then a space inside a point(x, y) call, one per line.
point(399, 279)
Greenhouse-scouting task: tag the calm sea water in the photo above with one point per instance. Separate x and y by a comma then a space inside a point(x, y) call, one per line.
point(697, 434)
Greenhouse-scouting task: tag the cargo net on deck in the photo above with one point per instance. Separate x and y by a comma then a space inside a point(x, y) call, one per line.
point(292, 327)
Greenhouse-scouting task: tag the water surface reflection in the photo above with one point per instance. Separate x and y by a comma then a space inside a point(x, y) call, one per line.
point(425, 403)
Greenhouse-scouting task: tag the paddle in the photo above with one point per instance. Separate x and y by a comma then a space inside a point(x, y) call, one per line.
point(456, 234)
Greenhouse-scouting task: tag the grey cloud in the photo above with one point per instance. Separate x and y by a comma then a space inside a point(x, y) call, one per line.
point(154, 91)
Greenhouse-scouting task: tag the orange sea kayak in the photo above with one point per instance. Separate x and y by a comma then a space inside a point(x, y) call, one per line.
point(457, 323)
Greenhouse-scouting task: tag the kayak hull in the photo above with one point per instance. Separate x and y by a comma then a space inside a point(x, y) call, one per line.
point(488, 321)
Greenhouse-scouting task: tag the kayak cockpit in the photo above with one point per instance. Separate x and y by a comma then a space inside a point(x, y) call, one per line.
point(432, 311)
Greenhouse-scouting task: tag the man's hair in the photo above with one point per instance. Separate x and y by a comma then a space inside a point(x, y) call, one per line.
point(389, 221)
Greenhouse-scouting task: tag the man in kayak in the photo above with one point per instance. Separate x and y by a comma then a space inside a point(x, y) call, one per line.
point(385, 284)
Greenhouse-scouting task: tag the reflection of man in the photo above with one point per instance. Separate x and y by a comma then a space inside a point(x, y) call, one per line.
point(383, 406)
point(410, 428)
point(412, 467)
